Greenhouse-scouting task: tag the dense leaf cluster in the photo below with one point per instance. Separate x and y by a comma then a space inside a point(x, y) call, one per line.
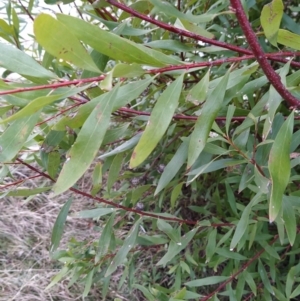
point(187, 114)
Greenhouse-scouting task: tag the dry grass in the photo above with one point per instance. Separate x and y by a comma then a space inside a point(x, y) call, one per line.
point(25, 233)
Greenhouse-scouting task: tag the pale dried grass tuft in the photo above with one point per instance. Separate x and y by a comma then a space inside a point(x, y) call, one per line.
point(25, 233)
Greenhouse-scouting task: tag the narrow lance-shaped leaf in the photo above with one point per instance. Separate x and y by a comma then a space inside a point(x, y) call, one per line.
point(199, 92)
point(206, 281)
point(270, 18)
point(115, 46)
point(173, 166)
point(158, 123)
point(59, 225)
point(124, 250)
point(95, 213)
point(288, 39)
point(12, 140)
point(204, 123)
point(279, 166)
point(125, 94)
point(105, 238)
point(88, 283)
point(18, 61)
point(244, 221)
point(60, 41)
point(87, 144)
point(24, 192)
point(177, 247)
point(289, 218)
point(274, 101)
point(40, 102)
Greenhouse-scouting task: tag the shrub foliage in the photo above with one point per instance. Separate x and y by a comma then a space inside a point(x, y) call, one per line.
point(184, 117)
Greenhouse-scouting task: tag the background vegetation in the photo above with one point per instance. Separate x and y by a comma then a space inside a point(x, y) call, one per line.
point(159, 140)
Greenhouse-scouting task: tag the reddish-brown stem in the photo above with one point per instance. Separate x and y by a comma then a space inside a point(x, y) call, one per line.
point(152, 71)
point(54, 86)
point(19, 182)
point(100, 200)
point(272, 76)
point(188, 34)
point(109, 14)
point(245, 266)
point(184, 117)
point(176, 30)
point(58, 114)
point(26, 10)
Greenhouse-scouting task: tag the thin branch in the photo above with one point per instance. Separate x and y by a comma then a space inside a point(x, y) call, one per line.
point(272, 76)
point(216, 63)
point(244, 267)
point(139, 212)
point(26, 10)
point(54, 86)
point(19, 182)
point(58, 114)
point(188, 34)
point(186, 117)
point(100, 200)
point(176, 30)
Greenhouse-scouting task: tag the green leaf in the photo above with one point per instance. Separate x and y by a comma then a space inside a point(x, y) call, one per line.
point(125, 94)
point(53, 164)
point(230, 113)
point(250, 282)
point(269, 249)
point(204, 122)
point(59, 225)
point(114, 171)
point(206, 281)
point(97, 179)
point(175, 194)
point(63, 43)
point(18, 61)
point(14, 137)
point(88, 283)
point(128, 244)
point(211, 245)
point(177, 247)
point(230, 254)
point(23, 192)
point(264, 277)
point(87, 144)
point(145, 291)
point(123, 147)
point(296, 292)
point(158, 123)
point(273, 103)
point(213, 166)
point(168, 229)
point(105, 238)
point(289, 219)
point(62, 273)
point(187, 25)
point(173, 167)
point(40, 102)
point(199, 92)
point(288, 39)
point(279, 165)
point(95, 213)
point(125, 70)
point(244, 221)
point(169, 45)
point(115, 46)
point(169, 9)
point(270, 19)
